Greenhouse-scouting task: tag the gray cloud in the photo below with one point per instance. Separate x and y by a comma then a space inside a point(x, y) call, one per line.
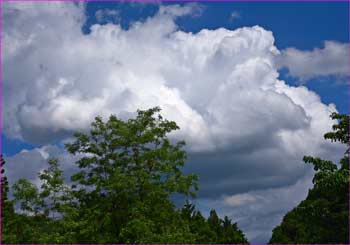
point(233, 172)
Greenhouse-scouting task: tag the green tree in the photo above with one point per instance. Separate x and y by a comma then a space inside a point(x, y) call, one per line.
point(213, 230)
point(33, 224)
point(25, 224)
point(215, 223)
point(129, 169)
point(7, 209)
point(27, 195)
point(226, 232)
point(323, 217)
point(54, 193)
point(4, 185)
point(198, 224)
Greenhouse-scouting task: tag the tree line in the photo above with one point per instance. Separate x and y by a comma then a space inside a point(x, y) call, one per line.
point(128, 172)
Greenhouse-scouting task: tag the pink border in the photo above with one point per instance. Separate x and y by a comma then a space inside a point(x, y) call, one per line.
point(348, 59)
point(1, 2)
point(0, 119)
point(149, 1)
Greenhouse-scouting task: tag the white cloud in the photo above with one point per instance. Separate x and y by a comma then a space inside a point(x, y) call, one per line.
point(220, 86)
point(332, 59)
point(239, 200)
point(44, 154)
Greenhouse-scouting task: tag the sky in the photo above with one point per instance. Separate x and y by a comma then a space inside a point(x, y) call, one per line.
point(251, 86)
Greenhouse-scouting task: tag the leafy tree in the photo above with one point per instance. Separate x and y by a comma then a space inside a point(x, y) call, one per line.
point(198, 224)
point(231, 233)
point(129, 168)
point(27, 195)
point(226, 232)
point(53, 188)
point(213, 230)
point(33, 225)
point(7, 209)
point(323, 217)
point(4, 184)
point(128, 172)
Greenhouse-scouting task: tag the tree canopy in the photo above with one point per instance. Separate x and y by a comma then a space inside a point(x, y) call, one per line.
point(323, 217)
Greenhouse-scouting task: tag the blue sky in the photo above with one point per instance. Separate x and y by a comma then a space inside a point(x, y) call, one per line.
point(302, 25)
point(246, 130)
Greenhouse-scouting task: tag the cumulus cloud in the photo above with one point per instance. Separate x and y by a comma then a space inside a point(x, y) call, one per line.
point(245, 129)
point(220, 85)
point(332, 59)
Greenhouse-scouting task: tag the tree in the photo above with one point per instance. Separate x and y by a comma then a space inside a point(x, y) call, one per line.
point(53, 188)
point(7, 209)
point(4, 184)
point(129, 169)
point(26, 223)
point(226, 232)
point(27, 195)
point(323, 217)
point(215, 222)
point(198, 224)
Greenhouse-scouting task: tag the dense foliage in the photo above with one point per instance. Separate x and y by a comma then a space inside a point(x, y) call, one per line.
point(128, 171)
point(323, 217)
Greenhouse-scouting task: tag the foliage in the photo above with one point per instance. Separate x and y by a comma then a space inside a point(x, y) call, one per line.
point(7, 209)
point(26, 194)
point(323, 217)
point(128, 172)
point(55, 193)
point(213, 230)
